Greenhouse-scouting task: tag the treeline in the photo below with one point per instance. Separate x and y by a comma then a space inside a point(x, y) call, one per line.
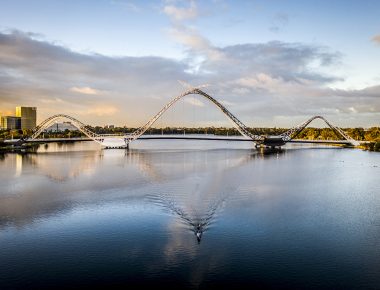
point(372, 146)
point(360, 134)
point(200, 130)
point(372, 134)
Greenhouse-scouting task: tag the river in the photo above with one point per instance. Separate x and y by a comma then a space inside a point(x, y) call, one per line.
point(194, 214)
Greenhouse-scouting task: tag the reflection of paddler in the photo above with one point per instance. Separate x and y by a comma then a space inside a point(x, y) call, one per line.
point(198, 233)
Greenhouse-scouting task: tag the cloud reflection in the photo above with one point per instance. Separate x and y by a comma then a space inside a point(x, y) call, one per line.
point(39, 185)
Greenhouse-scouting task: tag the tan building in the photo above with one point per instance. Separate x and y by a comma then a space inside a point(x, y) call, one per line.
point(28, 117)
point(10, 123)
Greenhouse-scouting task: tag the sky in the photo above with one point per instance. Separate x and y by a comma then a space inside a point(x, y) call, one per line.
point(271, 63)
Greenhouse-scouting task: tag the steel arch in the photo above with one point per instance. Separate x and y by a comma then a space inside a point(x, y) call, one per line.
point(78, 124)
point(293, 132)
point(240, 126)
point(243, 129)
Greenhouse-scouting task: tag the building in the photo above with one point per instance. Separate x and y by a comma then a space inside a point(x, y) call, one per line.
point(10, 123)
point(61, 127)
point(28, 117)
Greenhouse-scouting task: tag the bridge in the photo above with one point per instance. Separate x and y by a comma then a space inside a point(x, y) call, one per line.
point(123, 141)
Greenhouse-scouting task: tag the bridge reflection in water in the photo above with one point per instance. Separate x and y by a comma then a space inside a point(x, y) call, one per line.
point(196, 203)
point(117, 141)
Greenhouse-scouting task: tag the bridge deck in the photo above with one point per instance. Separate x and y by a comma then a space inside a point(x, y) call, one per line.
point(183, 137)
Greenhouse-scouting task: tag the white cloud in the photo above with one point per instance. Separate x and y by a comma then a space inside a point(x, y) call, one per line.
point(195, 102)
point(198, 47)
point(194, 43)
point(52, 101)
point(277, 85)
point(227, 103)
point(262, 80)
point(352, 109)
point(101, 110)
point(181, 13)
point(85, 90)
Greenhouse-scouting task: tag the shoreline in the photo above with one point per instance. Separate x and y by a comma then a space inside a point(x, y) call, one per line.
point(26, 148)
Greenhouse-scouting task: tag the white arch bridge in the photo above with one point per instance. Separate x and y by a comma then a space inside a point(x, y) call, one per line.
point(117, 141)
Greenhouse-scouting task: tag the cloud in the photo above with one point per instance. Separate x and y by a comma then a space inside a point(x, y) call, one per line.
point(227, 103)
point(181, 13)
point(266, 82)
point(34, 71)
point(266, 77)
point(376, 39)
point(85, 90)
point(52, 101)
point(194, 102)
point(278, 85)
point(102, 110)
point(194, 43)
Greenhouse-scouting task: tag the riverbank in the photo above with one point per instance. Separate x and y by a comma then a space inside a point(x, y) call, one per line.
point(32, 147)
point(4, 148)
point(372, 146)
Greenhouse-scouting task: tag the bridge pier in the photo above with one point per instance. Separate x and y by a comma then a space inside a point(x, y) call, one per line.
point(268, 146)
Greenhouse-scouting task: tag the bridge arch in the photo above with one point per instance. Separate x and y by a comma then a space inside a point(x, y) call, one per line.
point(243, 129)
point(295, 131)
point(123, 141)
point(76, 123)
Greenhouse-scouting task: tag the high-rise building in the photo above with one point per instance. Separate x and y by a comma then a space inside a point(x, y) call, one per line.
point(28, 117)
point(10, 122)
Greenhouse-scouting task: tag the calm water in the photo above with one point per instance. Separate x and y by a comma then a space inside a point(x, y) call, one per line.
point(77, 216)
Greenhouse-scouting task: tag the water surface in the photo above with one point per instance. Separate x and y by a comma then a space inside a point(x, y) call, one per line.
point(76, 216)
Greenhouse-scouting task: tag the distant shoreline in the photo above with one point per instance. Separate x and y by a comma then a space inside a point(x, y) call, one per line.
point(31, 147)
